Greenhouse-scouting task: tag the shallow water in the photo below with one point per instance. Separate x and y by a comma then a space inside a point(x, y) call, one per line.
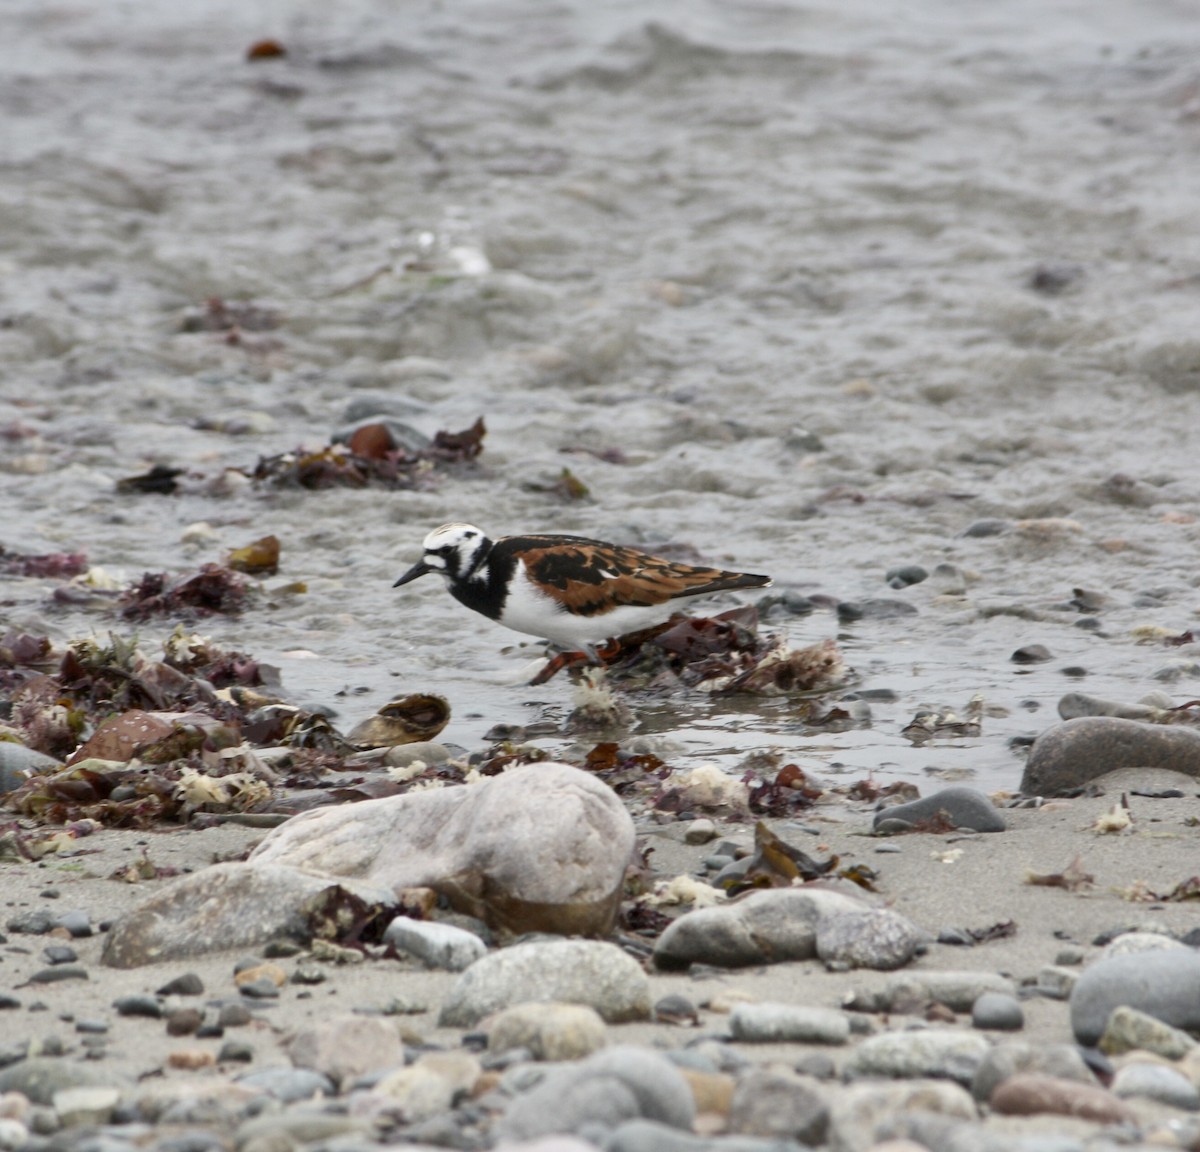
point(781, 256)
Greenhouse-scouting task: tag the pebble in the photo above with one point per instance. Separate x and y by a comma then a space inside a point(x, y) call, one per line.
point(1031, 654)
point(957, 990)
point(966, 808)
point(58, 973)
point(427, 752)
point(618, 1084)
point(1165, 985)
point(1056, 983)
point(60, 954)
point(184, 1021)
point(997, 1012)
point(38, 1078)
point(779, 1104)
point(289, 1085)
point(430, 1086)
point(1128, 1029)
point(1157, 1082)
point(343, 1047)
point(878, 938)
point(1059, 1061)
point(1128, 943)
point(874, 608)
point(774, 1023)
point(589, 972)
point(990, 527)
point(1026, 1094)
point(700, 831)
point(438, 945)
point(549, 1031)
point(675, 1009)
point(187, 984)
point(765, 927)
point(85, 1105)
point(139, 1004)
point(1072, 754)
point(938, 1052)
point(905, 575)
point(1075, 704)
point(859, 1111)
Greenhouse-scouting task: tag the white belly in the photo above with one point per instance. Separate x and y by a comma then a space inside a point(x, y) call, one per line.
point(529, 610)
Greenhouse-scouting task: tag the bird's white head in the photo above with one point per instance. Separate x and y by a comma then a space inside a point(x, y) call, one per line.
point(454, 551)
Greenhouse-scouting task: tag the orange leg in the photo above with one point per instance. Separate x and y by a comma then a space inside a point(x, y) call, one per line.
point(601, 656)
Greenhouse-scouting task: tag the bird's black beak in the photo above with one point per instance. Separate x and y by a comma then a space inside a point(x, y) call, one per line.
point(412, 574)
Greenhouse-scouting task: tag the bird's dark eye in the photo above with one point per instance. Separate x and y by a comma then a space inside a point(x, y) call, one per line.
point(469, 535)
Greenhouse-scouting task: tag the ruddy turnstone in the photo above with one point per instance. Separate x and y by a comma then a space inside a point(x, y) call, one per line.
point(570, 590)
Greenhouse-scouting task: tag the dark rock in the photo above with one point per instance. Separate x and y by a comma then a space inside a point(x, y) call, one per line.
point(1031, 654)
point(184, 1021)
point(60, 954)
point(988, 528)
point(1073, 754)
point(188, 984)
point(905, 576)
point(58, 973)
point(874, 609)
point(139, 1005)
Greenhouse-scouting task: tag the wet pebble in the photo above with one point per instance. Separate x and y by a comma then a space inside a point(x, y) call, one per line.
point(994, 1011)
point(874, 608)
point(1165, 985)
point(618, 1084)
point(781, 1105)
point(438, 945)
point(548, 1031)
point(775, 1023)
point(905, 575)
point(1074, 753)
point(1031, 654)
point(965, 807)
point(1156, 1082)
point(588, 972)
point(938, 1052)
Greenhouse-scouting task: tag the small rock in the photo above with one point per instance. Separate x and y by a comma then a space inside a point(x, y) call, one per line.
point(1165, 985)
point(858, 1111)
point(184, 1021)
point(262, 988)
point(700, 831)
point(235, 1052)
point(289, 1085)
point(1057, 1061)
point(344, 1047)
point(878, 938)
point(76, 922)
point(271, 973)
point(1056, 983)
point(1026, 1094)
point(965, 807)
point(1159, 1083)
point(676, 1009)
point(772, 1023)
point(905, 575)
point(874, 608)
point(233, 1015)
point(1031, 654)
point(187, 984)
point(548, 1031)
point(617, 1084)
point(58, 974)
point(430, 1086)
point(1074, 753)
point(38, 1078)
point(139, 1005)
point(996, 1012)
point(1127, 943)
point(85, 1105)
point(781, 1105)
point(938, 1052)
point(957, 990)
point(765, 927)
point(587, 972)
point(438, 945)
point(1128, 1030)
point(60, 954)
